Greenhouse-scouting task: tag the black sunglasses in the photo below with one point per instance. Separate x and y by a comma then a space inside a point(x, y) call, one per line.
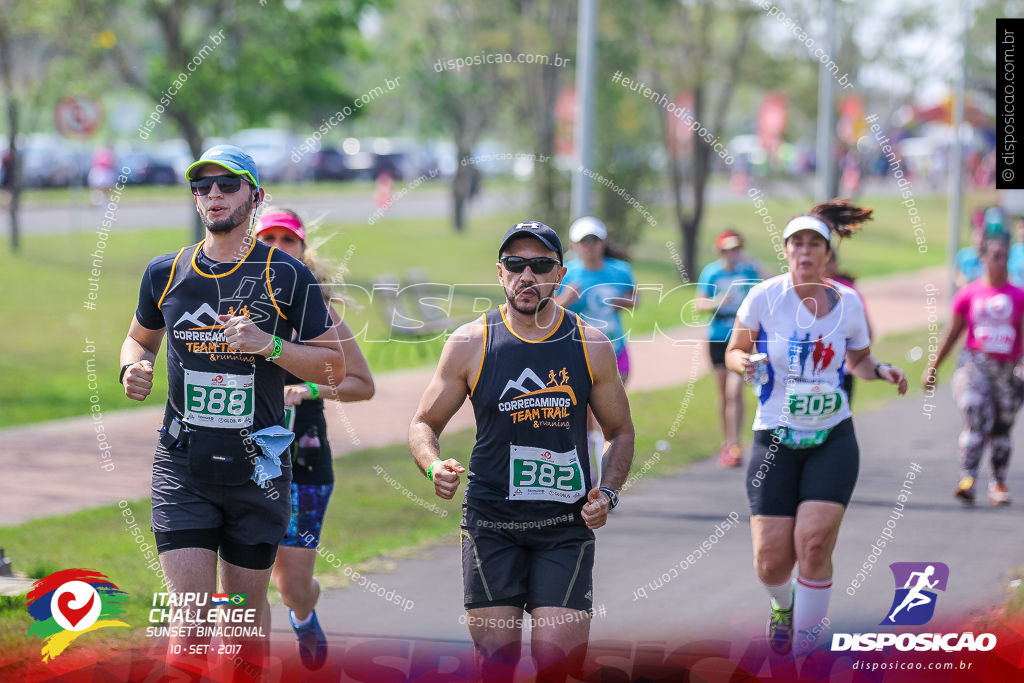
point(228, 184)
point(540, 265)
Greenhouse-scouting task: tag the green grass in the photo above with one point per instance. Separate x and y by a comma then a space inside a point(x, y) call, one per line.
point(47, 283)
point(368, 516)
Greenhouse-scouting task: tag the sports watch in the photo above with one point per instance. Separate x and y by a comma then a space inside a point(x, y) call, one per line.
point(613, 497)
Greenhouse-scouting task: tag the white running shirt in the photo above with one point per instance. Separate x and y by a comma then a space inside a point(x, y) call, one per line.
point(806, 355)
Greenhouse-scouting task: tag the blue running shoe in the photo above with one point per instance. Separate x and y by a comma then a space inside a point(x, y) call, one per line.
point(312, 641)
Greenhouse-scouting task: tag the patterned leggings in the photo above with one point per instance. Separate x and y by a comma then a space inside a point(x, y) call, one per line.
point(988, 394)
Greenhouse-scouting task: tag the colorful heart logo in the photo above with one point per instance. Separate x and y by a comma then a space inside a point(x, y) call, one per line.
point(72, 614)
point(75, 605)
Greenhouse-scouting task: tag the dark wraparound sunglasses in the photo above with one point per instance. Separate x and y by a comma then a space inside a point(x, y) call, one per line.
point(228, 184)
point(540, 265)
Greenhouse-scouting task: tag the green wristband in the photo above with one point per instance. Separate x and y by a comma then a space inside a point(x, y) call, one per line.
point(314, 391)
point(278, 347)
point(430, 470)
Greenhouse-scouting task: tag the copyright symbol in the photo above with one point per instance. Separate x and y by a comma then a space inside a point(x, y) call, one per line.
point(1007, 174)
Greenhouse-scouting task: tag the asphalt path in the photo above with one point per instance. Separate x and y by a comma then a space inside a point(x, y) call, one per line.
point(411, 200)
point(43, 219)
point(660, 522)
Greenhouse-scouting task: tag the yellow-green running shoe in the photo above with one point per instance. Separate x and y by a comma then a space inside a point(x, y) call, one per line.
point(780, 628)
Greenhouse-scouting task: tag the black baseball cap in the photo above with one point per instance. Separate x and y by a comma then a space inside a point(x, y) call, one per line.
point(535, 229)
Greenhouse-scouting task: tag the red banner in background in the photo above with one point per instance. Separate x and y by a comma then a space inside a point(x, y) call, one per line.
point(771, 121)
point(565, 116)
point(680, 132)
point(851, 126)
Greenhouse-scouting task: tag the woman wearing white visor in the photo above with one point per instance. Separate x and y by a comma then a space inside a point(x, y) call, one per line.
point(804, 461)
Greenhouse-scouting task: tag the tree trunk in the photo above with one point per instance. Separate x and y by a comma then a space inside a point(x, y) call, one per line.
point(13, 173)
point(13, 179)
point(190, 131)
point(462, 188)
point(701, 172)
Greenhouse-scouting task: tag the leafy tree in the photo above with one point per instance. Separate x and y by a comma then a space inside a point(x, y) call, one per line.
point(448, 51)
point(37, 62)
point(242, 63)
point(545, 27)
point(704, 49)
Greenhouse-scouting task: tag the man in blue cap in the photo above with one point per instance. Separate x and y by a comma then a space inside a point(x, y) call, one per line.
point(530, 370)
point(233, 310)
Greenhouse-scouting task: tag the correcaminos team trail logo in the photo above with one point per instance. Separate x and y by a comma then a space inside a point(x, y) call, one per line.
point(70, 603)
point(557, 382)
point(916, 583)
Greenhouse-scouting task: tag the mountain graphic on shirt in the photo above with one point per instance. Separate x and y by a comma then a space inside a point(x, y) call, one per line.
point(560, 382)
point(197, 319)
point(520, 383)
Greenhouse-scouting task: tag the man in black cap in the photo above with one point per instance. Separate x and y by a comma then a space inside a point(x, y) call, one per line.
point(530, 369)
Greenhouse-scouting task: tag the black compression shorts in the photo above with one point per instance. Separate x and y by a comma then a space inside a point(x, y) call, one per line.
point(526, 564)
point(232, 516)
point(790, 476)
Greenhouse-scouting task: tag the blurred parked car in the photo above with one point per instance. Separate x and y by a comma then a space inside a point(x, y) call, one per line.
point(148, 169)
point(330, 163)
point(272, 149)
point(177, 153)
point(47, 161)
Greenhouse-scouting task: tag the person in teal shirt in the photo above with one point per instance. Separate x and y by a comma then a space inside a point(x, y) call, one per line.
point(1015, 263)
point(598, 288)
point(721, 288)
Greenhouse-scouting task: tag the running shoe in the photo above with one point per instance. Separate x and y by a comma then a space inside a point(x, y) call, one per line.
point(965, 490)
point(998, 494)
point(312, 641)
point(731, 455)
point(780, 628)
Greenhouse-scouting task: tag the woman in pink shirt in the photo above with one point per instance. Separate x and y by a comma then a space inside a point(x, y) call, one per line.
point(987, 389)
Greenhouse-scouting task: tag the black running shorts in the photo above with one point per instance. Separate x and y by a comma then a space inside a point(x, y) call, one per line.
point(790, 476)
point(244, 514)
point(716, 349)
point(526, 564)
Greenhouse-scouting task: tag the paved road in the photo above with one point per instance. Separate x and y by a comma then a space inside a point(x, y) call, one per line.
point(661, 521)
point(427, 201)
point(348, 208)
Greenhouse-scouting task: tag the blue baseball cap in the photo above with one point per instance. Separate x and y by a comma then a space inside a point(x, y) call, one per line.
point(230, 158)
point(536, 230)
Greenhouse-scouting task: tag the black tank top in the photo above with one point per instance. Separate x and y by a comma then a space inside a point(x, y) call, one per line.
point(530, 461)
point(208, 383)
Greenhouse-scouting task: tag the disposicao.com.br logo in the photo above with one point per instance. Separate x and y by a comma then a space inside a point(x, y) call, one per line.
point(913, 604)
point(69, 603)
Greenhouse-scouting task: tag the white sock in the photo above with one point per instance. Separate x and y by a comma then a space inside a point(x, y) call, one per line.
point(299, 622)
point(809, 613)
point(782, 595)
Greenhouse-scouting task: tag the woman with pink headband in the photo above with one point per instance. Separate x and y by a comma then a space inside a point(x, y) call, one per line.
point(804, 461)
point(312, 471)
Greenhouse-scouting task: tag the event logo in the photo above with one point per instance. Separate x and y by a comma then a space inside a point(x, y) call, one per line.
point(916, 583)
point(913, 605)
point(69, 603)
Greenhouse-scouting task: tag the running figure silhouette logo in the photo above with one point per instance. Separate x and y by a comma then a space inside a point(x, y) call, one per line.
point(916, 583)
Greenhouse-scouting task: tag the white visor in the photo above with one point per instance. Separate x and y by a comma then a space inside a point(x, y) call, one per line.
point(807, 223)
